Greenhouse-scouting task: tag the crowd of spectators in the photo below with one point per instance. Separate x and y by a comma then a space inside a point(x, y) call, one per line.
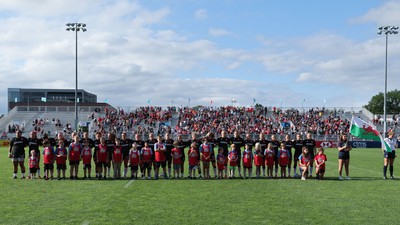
point(142, 120)
point(259, 119)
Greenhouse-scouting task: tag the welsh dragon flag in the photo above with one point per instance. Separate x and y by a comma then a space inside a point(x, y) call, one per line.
point(362, 129)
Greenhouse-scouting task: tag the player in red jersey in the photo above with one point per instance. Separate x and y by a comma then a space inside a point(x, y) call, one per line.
point(221, 162)
point(86, 159)
point(206, 151)
point(61, 159)
point(283, 159)
point(193, 160)
point(176, 155)
point(160, 158)
point(48, 159)
point(33, 164)
point(269, 154)
point(233, 161)
point(198, 143)
point(147, 155)
point(275, 146)
point(258, 159)
point(247, 157)
point(74, 156)
point(117, 159)
point(102, 158)
point(304, 162)
point(239, 143)
point(320, 160)
point(134, 160)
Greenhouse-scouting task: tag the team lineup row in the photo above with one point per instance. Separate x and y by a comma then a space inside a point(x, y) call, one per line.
point(223, 154)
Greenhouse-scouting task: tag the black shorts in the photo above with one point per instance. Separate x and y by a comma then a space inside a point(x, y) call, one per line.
point(389, 155)
point(61, 166)
point(344, 155)
point(134, 168)
point(162, 164)
point(168, 156)
point(73, 163)
point(147, 165)
point(297, 154)
point(32, 170)
point(102, 164)
point(87, 166)
point(49, 166)
point(321, 171)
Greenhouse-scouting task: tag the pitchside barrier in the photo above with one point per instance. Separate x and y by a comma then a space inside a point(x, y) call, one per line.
point(354, 144)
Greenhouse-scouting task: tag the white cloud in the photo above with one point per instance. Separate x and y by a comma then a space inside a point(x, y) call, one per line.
point(219, 32)
point(385, 15)
point(201, 14)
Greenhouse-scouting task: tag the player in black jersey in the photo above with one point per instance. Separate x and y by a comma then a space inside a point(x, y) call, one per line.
point(96, 143)
point(263, 145)
point(310, 144)
point(289, 145)
point(17, 153)
point(169, 145)
point(126, 144)
point(110, 142)
point(211, 141)
point(33, 144)
point(275, 146)
point(152, 140)
point(298, 145)
point(139, 145)
point(181, 145)
point(239, 143)
point(223, 142)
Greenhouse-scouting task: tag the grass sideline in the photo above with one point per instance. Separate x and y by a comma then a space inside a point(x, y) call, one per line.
point(366, 199)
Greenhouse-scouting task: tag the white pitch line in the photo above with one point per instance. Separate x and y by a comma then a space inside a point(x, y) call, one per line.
point(129, 183)
point(355, 167)
point(86, 223)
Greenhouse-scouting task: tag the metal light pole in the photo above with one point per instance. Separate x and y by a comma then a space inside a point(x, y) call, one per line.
point(75, 27)
point(386, 30)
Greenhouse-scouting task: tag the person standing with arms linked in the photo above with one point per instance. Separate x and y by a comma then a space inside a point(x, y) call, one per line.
point(344, 149)
point(17, 153)
point(388, 157)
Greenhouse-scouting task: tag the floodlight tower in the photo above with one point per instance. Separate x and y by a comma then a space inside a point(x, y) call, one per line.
point(386, 30)
point(76, 27)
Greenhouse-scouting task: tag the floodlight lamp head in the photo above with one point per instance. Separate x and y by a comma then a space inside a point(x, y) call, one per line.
point(83, 24)
point(380, 32)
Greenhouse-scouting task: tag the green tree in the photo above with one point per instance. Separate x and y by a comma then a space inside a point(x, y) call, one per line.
point(375, 105)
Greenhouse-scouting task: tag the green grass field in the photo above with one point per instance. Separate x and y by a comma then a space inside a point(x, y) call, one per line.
point(366, 199)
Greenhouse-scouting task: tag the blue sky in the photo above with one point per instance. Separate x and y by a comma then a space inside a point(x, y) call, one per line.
point(278, 52)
